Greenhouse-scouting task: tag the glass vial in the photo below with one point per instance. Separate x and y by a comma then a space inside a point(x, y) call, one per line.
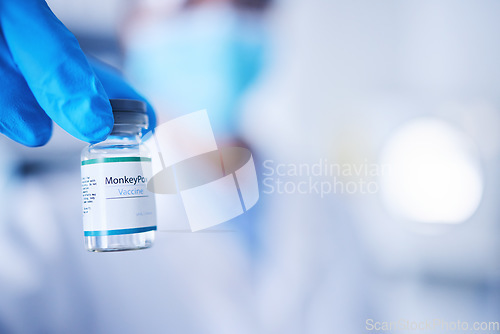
point(118, 210)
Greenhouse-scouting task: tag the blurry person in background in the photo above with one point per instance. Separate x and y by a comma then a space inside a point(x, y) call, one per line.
point(201, 55)
point(193, 55)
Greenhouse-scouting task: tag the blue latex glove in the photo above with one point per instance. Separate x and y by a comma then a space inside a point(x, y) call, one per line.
point(45, 76)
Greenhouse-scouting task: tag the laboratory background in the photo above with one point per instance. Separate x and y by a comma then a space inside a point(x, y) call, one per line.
point(375, 131)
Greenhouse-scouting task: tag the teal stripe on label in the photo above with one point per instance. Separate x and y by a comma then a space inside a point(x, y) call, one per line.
point(118, 232)
point(115, 159)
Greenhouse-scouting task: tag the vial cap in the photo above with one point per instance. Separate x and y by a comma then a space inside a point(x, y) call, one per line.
point(127, 111)
point(128, 105)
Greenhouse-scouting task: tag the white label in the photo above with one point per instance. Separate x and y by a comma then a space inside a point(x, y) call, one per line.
point(115, 196)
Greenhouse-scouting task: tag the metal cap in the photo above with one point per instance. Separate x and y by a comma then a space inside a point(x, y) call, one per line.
point(131, 112)
point(128, 105)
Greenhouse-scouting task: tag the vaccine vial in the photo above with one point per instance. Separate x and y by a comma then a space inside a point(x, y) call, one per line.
point(118, 210)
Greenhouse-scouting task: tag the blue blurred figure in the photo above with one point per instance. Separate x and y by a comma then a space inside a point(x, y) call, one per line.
point(203, 57)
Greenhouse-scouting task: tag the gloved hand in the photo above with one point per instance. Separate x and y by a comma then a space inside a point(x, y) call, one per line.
point(45, 76)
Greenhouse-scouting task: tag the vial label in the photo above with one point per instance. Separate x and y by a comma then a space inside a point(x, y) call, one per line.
point(115, 196)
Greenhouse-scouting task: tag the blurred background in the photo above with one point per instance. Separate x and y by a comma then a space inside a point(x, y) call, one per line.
point(402, 96)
